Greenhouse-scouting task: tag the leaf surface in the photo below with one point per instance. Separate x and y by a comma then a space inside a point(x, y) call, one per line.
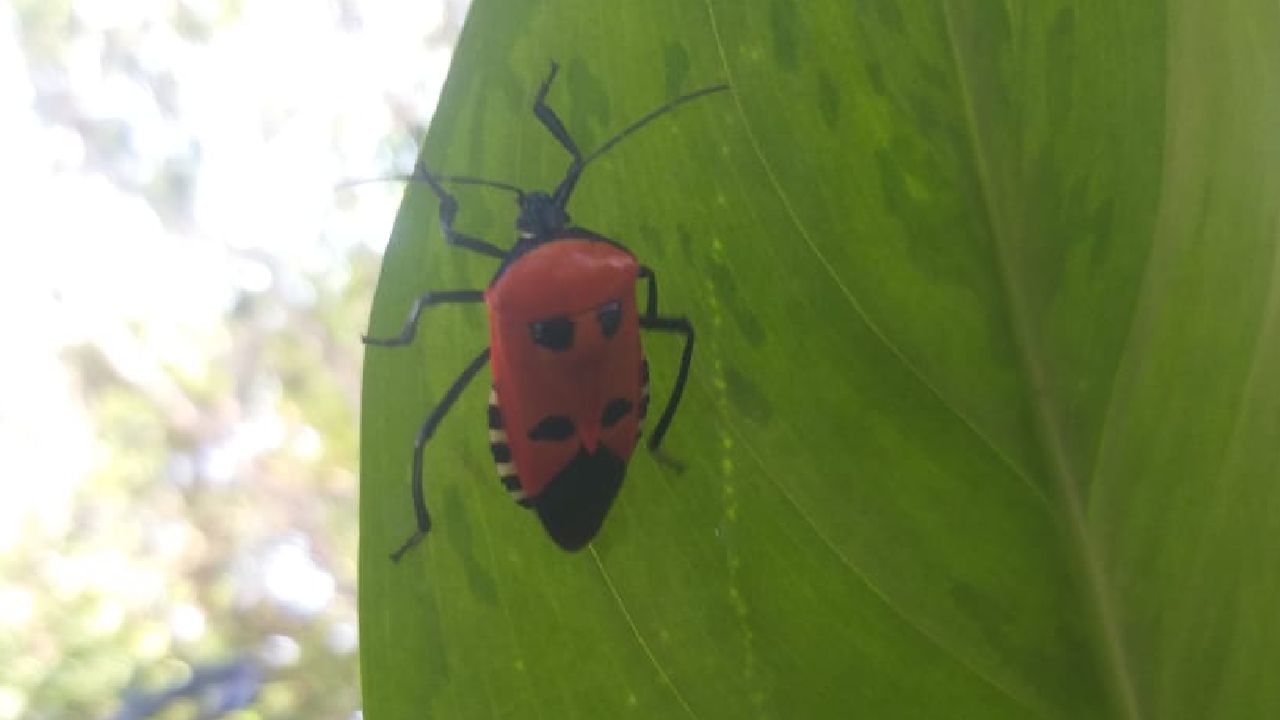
point(984, 419)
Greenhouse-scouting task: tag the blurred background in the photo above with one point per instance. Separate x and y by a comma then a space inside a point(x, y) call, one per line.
point(182, 289)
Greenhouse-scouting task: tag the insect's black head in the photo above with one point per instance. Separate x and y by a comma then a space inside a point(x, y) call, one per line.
point(540, 216)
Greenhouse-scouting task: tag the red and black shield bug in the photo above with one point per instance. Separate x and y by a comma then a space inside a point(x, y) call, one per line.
point(570, 380)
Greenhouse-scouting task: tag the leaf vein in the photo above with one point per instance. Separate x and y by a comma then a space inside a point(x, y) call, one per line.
point(635, 631)
point(1048, 429)
point(844, 289)
point(875, 590)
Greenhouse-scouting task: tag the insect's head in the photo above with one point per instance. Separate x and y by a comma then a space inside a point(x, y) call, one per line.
point(540, 216)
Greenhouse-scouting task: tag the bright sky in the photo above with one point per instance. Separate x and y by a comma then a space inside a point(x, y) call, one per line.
point(282, 106)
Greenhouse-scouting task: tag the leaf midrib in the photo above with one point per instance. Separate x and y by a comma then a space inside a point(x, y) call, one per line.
point(1048, 429)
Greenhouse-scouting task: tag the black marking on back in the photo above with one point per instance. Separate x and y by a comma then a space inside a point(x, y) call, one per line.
point(572, 507)
point(555, 333)
point(552, 428)
point(610, 317)
point(615, 411)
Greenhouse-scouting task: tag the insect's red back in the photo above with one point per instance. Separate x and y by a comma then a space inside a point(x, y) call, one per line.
point(584, 281)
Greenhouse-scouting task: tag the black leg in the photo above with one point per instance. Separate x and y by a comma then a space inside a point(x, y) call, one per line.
point(424, 301)
point(561, 134)
point(553, 124)
point(651, 305)
point(552, 121)
point(448, 211)
point(673, 325)
point(429, 428)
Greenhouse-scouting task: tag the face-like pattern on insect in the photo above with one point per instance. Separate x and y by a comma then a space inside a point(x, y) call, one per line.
point(569, 347)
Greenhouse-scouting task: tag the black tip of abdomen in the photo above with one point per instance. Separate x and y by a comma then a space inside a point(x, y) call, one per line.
point(572, 507)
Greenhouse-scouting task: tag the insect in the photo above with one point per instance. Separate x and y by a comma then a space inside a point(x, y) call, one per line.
point(570, 380)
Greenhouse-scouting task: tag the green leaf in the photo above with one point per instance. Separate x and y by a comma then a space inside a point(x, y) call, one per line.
point(984, 418)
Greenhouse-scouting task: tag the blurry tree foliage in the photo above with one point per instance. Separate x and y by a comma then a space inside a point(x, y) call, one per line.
point(205, 562)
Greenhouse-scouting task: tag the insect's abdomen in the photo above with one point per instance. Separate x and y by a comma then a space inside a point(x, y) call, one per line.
point(501, 449)
point(573, 502)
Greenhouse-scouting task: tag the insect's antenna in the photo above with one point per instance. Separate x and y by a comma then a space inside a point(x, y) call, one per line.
point(465, 180)
point(565, 188)
point(420, 177)
point(370, 181)
point(651, 116)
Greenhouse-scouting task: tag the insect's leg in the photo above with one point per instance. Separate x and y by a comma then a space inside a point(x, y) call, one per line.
point(427, 299)
point(651, 304)
point(552, 121)
point(449, 211)
point(672, 325)
point(424, 434)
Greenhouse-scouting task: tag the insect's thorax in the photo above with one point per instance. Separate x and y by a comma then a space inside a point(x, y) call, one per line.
point(560, 275)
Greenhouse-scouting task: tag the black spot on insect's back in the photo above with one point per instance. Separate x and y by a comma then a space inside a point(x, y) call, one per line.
point(552, 333)
point(552, 428)
point(572, 507)
point(615, 411)
point(610, 317)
